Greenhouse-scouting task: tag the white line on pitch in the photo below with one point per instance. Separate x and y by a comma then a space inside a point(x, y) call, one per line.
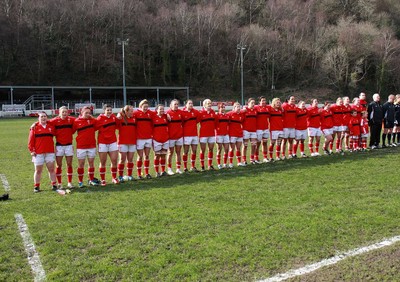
point(33, 255)
point(333, 260)
point(5, 183)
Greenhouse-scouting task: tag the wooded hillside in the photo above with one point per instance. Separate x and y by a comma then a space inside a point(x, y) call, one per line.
point(346, 45)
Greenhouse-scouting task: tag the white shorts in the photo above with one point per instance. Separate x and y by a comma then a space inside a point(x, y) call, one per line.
point(125, 148)
point(289, 133)
point(67, 151)
point(141, 143)
point(276, 134)
point(344, 128)
point(83, 153)
point(222, 139)
point(176, 142)
point(337, 129)
point(328, 131)
point(249, 135)
point(262, 134)
point(105, 148)
point(210, 139)
point(365, 135)
point(191, 140)
point(301, 134)
point(313, 132)
point(40, 159)
point(157, 146)
point(234, 139)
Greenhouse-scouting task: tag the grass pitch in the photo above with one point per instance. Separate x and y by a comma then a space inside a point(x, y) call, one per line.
point(231, 225)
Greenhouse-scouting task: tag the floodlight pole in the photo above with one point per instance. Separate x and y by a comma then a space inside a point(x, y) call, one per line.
point(241, 48)
point(123, 43)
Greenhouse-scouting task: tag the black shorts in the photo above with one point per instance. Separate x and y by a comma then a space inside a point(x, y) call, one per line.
point(388, 124)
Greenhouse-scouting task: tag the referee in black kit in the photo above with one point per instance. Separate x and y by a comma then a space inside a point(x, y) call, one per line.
point(375, 118)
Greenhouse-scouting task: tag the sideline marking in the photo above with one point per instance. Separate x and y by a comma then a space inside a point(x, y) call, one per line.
point(5, 183)
point(333, 260)
point(33, 255)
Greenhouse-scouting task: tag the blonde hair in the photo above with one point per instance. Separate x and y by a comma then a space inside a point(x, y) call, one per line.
point(206, 101)
point(61, 109)
point(274, 101)
point(124, 111)
point(143, 102)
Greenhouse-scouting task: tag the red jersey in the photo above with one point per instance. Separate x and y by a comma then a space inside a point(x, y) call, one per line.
point(289, 115)
point(354, 126)
point(275, 120)
point(208, 121)
point(144, 124)
point(235, 124)
point(346, 114)
point(364, 104)
point(326, 119)
point(250, 121)
point(175, 127)
point(107, 126)
point(314, 119)
point(127, 131)
point(41, 139)
point(337, 111)
point(160, 128)
point(262, 116)
point(223, 123)
point(190, 122)
point(86, 138)
point(301, 119)
point(364, 126)
point(63, 129)
point(359, 109)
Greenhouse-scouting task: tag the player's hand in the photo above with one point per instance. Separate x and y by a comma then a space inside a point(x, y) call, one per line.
point(168, 117)
point(33, 154)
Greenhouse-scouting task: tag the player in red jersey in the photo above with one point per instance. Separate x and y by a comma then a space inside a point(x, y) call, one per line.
point(357, 107)
point(354, 130)
point(289, 126)
point(107, 124)
point(222, 136)
point(41, 147)
point(301, 128)
point(190, 136)
point(126, 142)
point(85, 144)
point(327, 127)
point(276, 128)
point(63, 126)
point(363, 101)
point(144, 133)
point(337, 111)
point(175, 129)
point(346, 119)
point(161, 140)
point(364, 130)
point(236, 118)
point(262, 127)
point(250, 131)
point(208, 121)
point(314, 131)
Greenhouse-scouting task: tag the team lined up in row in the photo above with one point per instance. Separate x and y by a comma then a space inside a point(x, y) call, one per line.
point(167, 132)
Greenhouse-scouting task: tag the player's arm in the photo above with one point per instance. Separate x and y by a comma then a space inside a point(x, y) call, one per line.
point(31, 141)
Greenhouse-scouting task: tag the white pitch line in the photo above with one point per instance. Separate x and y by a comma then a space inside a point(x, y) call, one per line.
point(5, 183)
point(312, 267)
point(33, 255)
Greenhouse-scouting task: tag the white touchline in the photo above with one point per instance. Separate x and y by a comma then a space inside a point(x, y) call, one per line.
point(33, 255)
point(312, 267)
point(5, 183)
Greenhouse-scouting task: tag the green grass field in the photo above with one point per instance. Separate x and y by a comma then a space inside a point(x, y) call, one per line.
point(242, 224)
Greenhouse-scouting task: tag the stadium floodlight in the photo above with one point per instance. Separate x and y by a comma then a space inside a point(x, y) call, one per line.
point(241, 48)
point(123, 42)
